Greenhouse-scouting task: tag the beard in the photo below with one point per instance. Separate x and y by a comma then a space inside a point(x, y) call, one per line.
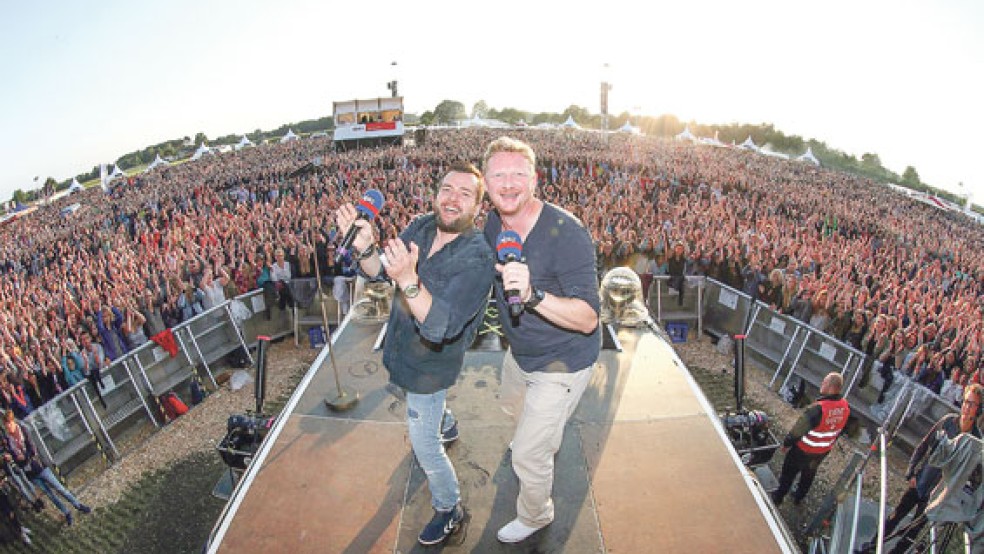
point(464, 221)
point(461, 224)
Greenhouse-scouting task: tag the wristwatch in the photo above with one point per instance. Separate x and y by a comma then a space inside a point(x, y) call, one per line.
point(367, 253)
point(411, 290)
point(535, 298)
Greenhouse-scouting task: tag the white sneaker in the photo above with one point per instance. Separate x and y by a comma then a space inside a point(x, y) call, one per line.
point(516, 531)
point(25, 536)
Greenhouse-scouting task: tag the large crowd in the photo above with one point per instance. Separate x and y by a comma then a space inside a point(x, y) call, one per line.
point(900, 281)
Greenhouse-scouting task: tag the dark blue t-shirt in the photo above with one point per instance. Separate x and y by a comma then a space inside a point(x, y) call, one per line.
point(561, 258)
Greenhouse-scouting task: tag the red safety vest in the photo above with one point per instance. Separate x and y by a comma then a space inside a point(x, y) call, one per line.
point(833, 418)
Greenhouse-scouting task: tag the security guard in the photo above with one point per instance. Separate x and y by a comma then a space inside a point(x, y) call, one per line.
point(811, 438)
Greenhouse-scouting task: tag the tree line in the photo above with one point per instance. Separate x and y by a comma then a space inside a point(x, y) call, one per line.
point(449, 111)
point(868, 165)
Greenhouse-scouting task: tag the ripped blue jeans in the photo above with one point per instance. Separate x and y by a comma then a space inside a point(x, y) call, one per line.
point(426, 417)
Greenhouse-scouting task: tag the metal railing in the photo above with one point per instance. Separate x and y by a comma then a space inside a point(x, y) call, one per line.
point(88, 419)
point(790, 348)
point(81, 423)
point(666, 304)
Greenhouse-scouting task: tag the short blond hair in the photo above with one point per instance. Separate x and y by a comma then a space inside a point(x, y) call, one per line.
point(508, 144)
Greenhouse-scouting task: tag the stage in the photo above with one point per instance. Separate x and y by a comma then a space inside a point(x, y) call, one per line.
point(644, 466)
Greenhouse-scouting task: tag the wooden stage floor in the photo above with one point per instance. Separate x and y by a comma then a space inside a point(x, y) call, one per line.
point(644, 466)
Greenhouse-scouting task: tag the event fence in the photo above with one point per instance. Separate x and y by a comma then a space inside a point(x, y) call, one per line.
point(799, 356)
point(92, 419)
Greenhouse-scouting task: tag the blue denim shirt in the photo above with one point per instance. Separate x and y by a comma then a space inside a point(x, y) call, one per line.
point(426, 356)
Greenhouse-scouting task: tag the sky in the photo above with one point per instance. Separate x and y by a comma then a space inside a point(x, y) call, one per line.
point(87, 82)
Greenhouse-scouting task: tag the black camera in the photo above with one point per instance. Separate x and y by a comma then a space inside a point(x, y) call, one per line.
point(245, 433)
point(749, 434)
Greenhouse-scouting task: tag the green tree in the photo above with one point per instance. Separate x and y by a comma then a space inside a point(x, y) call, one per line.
point(449, 111)
point(512, 115)
point(580, 115)
point(910, 177)
point(19, 196)
point(200, 138)
point(480, 109)
point(870, 162)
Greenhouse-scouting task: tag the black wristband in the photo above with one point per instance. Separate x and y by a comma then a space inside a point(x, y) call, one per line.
point(366, 254)
point(536, 296)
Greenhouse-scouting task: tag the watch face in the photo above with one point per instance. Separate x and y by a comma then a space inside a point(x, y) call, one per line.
point(411, 291)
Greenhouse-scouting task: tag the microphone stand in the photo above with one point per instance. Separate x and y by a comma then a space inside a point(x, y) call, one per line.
point(343, 400)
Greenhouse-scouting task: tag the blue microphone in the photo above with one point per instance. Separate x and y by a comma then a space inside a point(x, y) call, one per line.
point(367, 208)
point(509, 248)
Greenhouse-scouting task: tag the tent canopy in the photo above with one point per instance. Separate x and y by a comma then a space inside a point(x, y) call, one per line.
point(772, 153)
point(202, 150)
point(289, 136)
point(808, 157)
point(157, 161)
point(570, 123)
point(628, 128)
point(478, 121)
point(749, 144)
point(243, 143)
point(686, 134)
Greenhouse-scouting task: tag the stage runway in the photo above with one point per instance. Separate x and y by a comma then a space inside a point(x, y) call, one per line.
point(643, 466)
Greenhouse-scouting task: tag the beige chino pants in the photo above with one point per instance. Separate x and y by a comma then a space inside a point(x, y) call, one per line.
point(541, 403)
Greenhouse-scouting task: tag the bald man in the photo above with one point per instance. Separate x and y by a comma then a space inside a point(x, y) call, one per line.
point(811, 438)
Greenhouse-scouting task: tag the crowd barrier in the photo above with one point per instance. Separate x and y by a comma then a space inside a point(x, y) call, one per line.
point(792, 350)
point(664, 302)
point(84, 422)
point(89, 420)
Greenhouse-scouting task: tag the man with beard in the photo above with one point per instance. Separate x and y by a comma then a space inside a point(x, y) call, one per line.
point(443, 268)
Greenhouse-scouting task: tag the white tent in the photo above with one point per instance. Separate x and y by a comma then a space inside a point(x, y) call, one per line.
point(749, 144)
point(202, 150)
point(481, 122)
point(289, 136)
point(243, 143)
point(772, 153)
point(686, 134)
point(628, 128)
point(714, 141)
point(157, 161)
point(117, 172)
point(570, 123)
point(808, 157)
point(545, 125)
point(75, 186)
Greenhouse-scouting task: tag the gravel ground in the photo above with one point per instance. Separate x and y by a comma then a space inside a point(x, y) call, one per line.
point(202, 428)
point(715, 374)
point(158, 498)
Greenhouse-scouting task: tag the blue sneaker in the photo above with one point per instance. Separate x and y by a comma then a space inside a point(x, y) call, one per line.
point(442, 525)
point(450, 435)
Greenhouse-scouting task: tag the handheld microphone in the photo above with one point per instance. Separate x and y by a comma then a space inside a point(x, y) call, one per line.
point(368, 208)
point(509, 248)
